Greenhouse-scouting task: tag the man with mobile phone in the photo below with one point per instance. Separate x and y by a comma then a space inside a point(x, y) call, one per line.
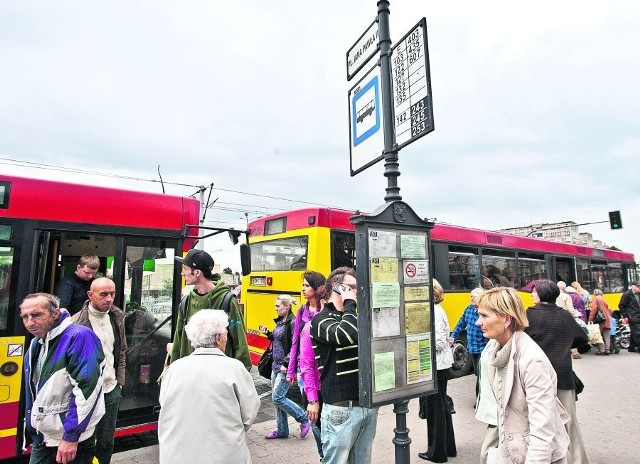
point(347, 428)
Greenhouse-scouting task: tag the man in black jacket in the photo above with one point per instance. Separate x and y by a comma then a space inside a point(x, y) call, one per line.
point(630, 308)
point(347, 428)
point(72, 290)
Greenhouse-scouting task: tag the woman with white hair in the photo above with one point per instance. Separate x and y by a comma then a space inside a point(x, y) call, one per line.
point(208, 400)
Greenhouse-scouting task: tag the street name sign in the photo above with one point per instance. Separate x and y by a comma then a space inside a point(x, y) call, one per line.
point(366, 135)
point(411, 81)
point(362, 51)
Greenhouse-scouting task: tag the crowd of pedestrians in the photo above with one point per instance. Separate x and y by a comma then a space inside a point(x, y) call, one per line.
point(526, 389)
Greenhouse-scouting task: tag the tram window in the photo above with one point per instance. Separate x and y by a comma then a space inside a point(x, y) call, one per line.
point(464, 270)
point(6, 261)
point(5, 232)
point(615, 281)
point(599, 276)
point(148, 290)
point(564, 269)
point(343, 249)
point(5, 191)
point(631, 273)
point(531, 267)
point(280, 254)
point(584, 275)
point(498, 269)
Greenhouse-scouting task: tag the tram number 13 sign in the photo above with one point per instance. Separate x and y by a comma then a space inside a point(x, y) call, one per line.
point(411, 81)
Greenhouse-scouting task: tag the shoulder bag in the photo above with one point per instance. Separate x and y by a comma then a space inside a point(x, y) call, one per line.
point(599, 317)
point(266, 363)
point(579, 384)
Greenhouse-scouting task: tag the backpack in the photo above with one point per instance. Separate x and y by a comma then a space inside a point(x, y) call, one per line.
point(226, 305)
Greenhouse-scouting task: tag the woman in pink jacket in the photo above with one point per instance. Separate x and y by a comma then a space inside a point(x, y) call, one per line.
point(302, 360)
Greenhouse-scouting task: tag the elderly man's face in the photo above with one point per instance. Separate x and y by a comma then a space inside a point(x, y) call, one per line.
point(36, 316)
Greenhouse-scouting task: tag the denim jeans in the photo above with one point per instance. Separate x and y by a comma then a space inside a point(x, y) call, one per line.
point(315, 426)
point(284, 406)
point(107, 425)
point(347, 433)
point(47, 454)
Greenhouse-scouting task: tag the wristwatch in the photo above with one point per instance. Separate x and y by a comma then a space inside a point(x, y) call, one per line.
point(311, 402)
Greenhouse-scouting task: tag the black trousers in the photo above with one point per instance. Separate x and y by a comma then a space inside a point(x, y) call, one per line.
point(441, 439)
point(634, 328)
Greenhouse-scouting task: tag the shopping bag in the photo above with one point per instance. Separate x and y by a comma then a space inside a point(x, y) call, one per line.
point(266, 363)
point(594, 334)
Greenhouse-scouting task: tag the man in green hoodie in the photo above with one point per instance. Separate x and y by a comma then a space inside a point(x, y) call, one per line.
point(197, 270)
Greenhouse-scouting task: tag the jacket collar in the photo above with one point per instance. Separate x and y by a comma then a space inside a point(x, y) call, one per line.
point(202, 350)
point(60, 325)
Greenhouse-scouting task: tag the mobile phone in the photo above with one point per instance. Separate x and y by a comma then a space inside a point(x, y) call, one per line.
point(339, 289)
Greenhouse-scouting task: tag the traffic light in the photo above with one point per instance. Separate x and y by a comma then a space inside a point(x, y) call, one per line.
point(615, 220)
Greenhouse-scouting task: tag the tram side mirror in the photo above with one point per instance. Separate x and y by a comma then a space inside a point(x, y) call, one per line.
point(245, 259)
point(234, 235)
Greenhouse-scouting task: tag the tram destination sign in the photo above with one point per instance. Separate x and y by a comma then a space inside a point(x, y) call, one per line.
point(411, 81)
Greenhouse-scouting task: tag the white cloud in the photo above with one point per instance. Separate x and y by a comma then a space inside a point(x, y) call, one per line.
point(535, 106)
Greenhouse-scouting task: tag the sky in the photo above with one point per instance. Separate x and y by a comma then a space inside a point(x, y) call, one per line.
point(536, 107)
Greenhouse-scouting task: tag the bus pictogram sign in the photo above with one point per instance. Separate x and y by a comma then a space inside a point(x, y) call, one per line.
point(365, 121)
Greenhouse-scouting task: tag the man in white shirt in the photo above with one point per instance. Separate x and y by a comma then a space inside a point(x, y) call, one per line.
point(107, 321)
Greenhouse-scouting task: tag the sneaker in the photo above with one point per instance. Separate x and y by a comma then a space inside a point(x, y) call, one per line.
point(274, 435)
point(304, 429)
point(576, 356)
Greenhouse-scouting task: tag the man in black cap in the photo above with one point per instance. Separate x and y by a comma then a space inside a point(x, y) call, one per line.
point(197, 270)
point(630, 307)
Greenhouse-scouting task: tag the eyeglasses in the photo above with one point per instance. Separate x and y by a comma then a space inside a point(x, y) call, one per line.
point(351, 286)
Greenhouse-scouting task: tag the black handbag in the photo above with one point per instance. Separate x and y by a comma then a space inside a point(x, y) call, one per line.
point(266, 363)
point(599, 317)
point(579, 384)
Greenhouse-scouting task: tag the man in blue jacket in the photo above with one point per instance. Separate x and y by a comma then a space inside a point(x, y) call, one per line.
point(63, 383)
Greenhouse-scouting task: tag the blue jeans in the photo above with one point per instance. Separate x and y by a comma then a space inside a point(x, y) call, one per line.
point(107, 425)
point(284, 406)
point(315, 426)
point(347, 433)
point(47, 454)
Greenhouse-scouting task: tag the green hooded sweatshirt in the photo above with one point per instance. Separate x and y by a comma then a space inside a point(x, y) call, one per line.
point(236, 337)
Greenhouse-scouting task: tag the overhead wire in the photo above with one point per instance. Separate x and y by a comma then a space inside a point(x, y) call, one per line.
point(51, 167)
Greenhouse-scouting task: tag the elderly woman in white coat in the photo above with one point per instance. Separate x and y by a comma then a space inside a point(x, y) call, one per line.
point(208, 401)
point(530, 417)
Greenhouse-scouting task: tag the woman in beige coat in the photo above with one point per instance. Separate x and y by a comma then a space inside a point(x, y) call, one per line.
point(530, 417)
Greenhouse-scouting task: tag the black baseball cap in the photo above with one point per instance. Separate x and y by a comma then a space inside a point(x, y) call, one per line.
point(197, 259)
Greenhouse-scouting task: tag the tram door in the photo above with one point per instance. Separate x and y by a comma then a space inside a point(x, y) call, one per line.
point(147, 283)
point(564, 269)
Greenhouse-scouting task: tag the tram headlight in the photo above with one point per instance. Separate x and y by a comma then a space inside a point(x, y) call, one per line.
point(9, 368)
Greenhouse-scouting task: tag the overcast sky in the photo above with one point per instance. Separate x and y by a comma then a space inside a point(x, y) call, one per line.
point(536, 106)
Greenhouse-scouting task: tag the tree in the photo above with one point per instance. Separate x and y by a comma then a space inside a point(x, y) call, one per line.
point(227, 270)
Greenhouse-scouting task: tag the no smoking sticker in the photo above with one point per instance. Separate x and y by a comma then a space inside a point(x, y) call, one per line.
point(415, 271)
point(14, 349)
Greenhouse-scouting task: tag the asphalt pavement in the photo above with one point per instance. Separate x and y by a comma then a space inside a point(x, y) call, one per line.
point(608, 410)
